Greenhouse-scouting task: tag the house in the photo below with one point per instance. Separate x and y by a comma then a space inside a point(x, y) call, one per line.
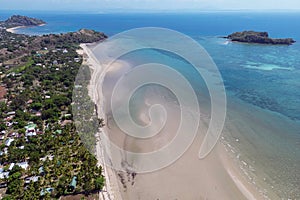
point(29, 134)
point(4, 175)
point(68, 115)
point(30, 129)
point(73, 184)
point(78, 86)
point(9, 124)
point(9, 141)
point(30, 126)
point(65, 51)
point(3, 185)
point(41, 170)
point(23, 165)
point(58, 132)
point(50, 157)
point(11, 113)
point(5, 150)
point(9, 118)
point(46, 190)
point(13, 134)
point(31, 179)
point(11, 166)
point(38, 114)
point(29, 101)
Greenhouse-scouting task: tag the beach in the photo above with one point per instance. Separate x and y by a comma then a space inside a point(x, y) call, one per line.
point(15, 29)
point(258, 154)
point(111, 188)
point(217, 176)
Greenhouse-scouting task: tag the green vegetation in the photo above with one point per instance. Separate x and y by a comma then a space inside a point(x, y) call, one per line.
point(37, 114)
point(18, 20)
point(21, 68)
point(259, 38)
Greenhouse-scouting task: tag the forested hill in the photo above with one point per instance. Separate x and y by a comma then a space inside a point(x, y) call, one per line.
point(18, 20)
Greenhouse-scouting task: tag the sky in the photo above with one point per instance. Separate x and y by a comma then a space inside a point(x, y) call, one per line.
point(193, 5)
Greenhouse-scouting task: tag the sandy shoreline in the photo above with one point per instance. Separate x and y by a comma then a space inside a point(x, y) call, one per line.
point(216, 178)
point(111, 188)
point(14, 29)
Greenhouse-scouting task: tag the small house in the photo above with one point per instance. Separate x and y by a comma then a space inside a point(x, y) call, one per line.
point(11, 113)
point(73, 184)
point(8, 142)
point(31, 179)
point(41, 170)
point(11, 166)
point(23, 165)
point(46, 190)
point(4, 175)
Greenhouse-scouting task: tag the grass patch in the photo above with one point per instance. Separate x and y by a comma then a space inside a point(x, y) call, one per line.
point(21, 68)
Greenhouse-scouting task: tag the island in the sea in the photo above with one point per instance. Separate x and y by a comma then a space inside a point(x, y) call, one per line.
point(258, 38)
point(18, 20)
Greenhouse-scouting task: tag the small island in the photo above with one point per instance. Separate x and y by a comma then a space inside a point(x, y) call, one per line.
point(258, 38)
point(18, 20)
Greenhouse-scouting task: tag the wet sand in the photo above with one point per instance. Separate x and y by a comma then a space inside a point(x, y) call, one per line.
point(217, 176)
point(265, 148)
point(14, 29)
point(111, 188)
point(188, 178)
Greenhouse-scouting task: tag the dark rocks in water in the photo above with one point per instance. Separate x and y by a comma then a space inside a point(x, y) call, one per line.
point(18, 20)
point(258, 38)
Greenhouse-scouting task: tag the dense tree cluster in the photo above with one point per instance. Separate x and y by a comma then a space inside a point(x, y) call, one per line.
point(40, 92)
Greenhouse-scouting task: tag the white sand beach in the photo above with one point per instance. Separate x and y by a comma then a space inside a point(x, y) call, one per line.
point(14, 29)
point(215, 177)
point(111, 188)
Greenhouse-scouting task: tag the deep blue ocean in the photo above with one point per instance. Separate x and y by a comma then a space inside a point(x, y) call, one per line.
point(193, 24)
point(265, 76)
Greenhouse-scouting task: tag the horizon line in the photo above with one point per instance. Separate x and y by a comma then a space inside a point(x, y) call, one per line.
point(117, 10)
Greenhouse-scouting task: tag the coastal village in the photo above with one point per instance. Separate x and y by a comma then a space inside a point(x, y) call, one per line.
point(41, 153)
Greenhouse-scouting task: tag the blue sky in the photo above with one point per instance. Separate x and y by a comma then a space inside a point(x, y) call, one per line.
point(102, 5)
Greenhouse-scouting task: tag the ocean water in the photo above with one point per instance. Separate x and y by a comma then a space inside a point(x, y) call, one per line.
point(262, 82)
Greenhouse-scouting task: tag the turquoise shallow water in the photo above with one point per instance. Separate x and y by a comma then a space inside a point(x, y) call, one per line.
point(267, 76)
point(262, 125)
point(262, 82)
